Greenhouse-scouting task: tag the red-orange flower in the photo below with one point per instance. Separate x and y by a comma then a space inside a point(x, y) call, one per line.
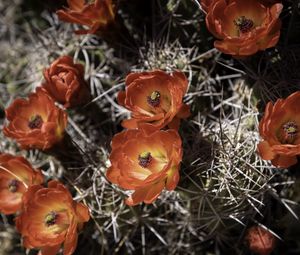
point(145, 163)
point(16, 175)
point(260, 240)
point(155, 100)
point(243, 27)
point(51, 218)
point(95, 16)
point(205, 4)
point(65, 82)
point(36, 122)
point(280, 129)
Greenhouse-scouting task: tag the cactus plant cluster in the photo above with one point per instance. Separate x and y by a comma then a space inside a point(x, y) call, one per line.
point(231, 198)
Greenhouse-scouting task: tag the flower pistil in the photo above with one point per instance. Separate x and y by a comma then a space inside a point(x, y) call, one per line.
point(13, 186)
point(154, 99)
point(244, 24)
point(145, 159)
point(35, 121)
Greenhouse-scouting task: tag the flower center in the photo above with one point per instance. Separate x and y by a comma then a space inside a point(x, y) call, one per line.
point(145, 159)
point(13, 186)
point(154, 99)
point(35, 121)
point(244, 24)
point(62, 76)
point(290, 130)
point(51, 218)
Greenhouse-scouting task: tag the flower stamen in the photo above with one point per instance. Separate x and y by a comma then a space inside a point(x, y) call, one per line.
point(145, 159)
point(51, 218)
point(244, 24)
point(35, 121)
point(154, 99)
point(290, 130)
point(13, 186)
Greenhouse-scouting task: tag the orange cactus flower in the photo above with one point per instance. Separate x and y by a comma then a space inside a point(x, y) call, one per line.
point(155, 100)
point(51, 218)
point(243, 28)
point(36, 122)
point(96, 16)
point(260, 240)
point(65, 82)
point(16, 175)
point(280, 130)
point(145, 163)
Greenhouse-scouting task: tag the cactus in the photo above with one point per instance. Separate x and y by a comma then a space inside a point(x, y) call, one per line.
point(225, 187)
